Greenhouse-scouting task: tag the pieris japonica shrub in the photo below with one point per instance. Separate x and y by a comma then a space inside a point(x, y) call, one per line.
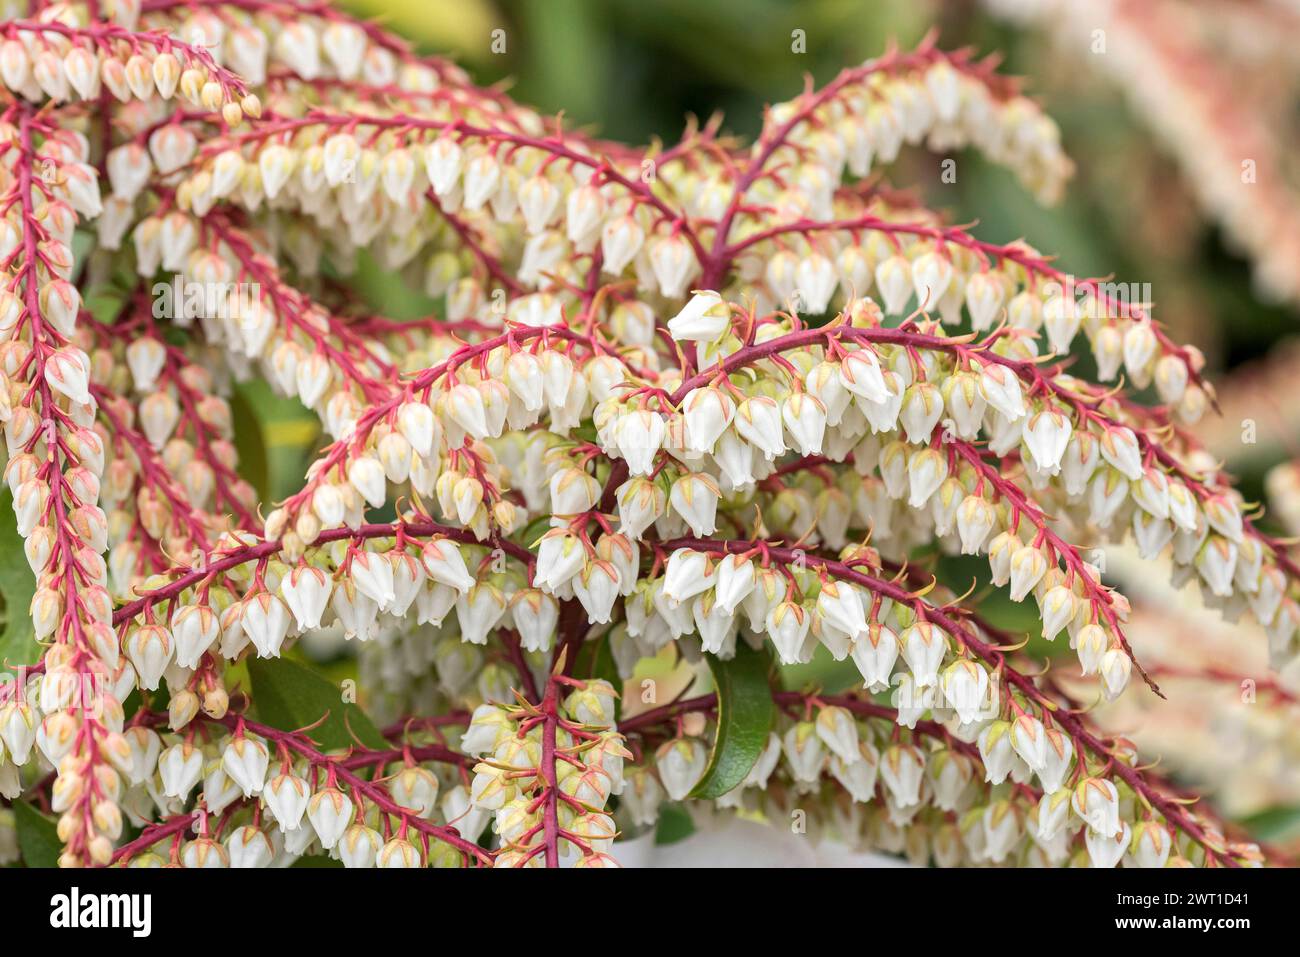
point(730, 398)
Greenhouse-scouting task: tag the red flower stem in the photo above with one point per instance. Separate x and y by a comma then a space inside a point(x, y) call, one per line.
point(189, 577)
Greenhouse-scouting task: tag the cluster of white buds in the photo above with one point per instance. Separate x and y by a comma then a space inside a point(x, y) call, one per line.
point(59, 57)
point(620, 435)
point(949, 795)
point(545, 808)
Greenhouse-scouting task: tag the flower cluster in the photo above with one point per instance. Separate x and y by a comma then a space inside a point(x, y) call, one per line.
point(692, 401)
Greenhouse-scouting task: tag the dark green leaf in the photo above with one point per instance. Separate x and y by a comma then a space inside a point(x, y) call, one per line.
point(745, 715)
point(17, 584)
point(287, 695)
point(316, 860)
point(38, 837)
point(674, 824)
point(250, 443)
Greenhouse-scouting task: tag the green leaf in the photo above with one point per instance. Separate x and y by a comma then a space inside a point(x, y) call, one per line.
point(674, 825)
point(745, 715)
point(316, 860)
point(288, 696)
point(18, 644)
point(250, 443)
point(38, 836)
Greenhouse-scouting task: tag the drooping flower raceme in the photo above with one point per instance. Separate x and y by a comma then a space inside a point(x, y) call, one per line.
point(730, 409)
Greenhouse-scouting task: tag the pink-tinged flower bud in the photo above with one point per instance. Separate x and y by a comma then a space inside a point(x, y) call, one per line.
point(128, 170)
point(620, 241)
point(573, 492)
point(286, 796)
point(145, 358)
point(443, 561)
point(195, 628)
point(1059, 607)
point(703, 319)
point(984, 298)
point(245, 761)
point(51, 76)
point(996, 752)
point(840, 604)
point(681, 764)
point(276, 164)
point(805, 422)
point(247, 846)
point(1096, 801)
point(874, 654)
point(1061, 320)
point(330, 813)
point(18, 723)
point(894, 280)
point(535, 615)
point(695, 498)
point(687, 574)
point(1027, 567)
point(1140, 347)
point(788, 625)
point(758, 421)
point(926, 471)
point(1217, 563)
point(673, 264)
point(596, 587)
point(923, 647)
point(366, 475)
point(1115, 669)
point(180, 767)
point(902, 770)
point(266, 622)
point(46, 610)
point(641, 503)
point(68, 373)
point(159, 415)
point(345, 46)
point(166, 75)
point(373, 575)
point(359, 846)
point(297, 45)
point(837, 730)
point(1106, 850)
point(965, 685)
point(204, 854)
point(921, 410)
point(1224, 515)
point(479, 611)
point(538, 201)
point(735, 580)
point(1119, 447)
point(355, 610)
point(1002, 389)
point(1091, 644)
point(1029, 741)
point(584, 213)
point(975, 520)
point(639, 436)
point(173, 146)
point(416, 789)
point(1151, 844)
point(149, 649)
point(1058, 756)
point(931, 277)
point(306, 591)
point(593, 704)
point(15, 65)
point(815, 282)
